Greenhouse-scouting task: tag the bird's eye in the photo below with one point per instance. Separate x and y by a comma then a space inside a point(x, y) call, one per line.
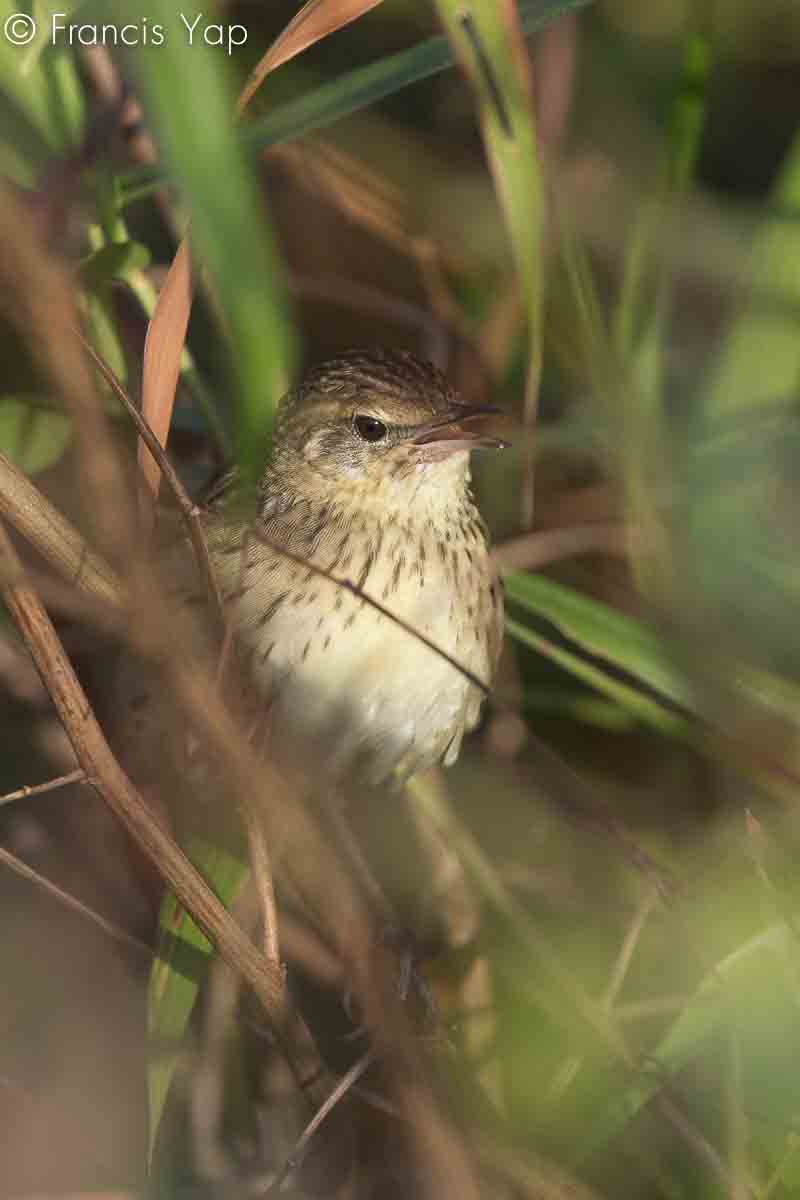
point(370, 429)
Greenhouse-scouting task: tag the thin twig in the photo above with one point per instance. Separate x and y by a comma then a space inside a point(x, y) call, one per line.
point(42, 524)
point(68, 601)
point(702, 1147)
point(71, 902)
point(628, 947)
point(535, 1177)
point(303, 946)
point(112, 784)
point(189, 511)
point(451, 895)
point(361, 298)
point(371, 602)
point(58, 541)
point(258, 846)
point(342, 1088)
point(262, 878)
point(366, 200)
point(38, 789)
point(486, 877)
point(533, 550)
point(592, 1013)
point(353, 855)
point(55, 538)
point(196, 696)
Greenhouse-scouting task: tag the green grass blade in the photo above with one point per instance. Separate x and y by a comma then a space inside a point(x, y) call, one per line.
point(653, 689)
point(483, 42)
point(230, 235)
point(30, 435)
point(21, 76)
point(488, 42)
point(737, 988)
point(184, 955)
point(42, 100)
point(629, 646)
point(352, 91)
point(760, 358)
point(623, 642)
point(641, 706)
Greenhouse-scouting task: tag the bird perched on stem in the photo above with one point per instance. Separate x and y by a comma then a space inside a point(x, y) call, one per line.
point(361, 594)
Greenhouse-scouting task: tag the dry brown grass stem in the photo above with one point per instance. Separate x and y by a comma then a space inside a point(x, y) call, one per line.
point(72, 903)
point(44, 313)
point(368, 201)
point(157, 458)
point(348, 1081)
point(261, 867)
point(437, 811)
point(535, 1178)
point(191, 515)
point(55, 538)
point(530, 412)
point(38, 789)
point(348, 586)
point(69, 553)
point(114, 787)
point(189, 511)
point(628, 947)
point(533, 550)
point(66, 550)
point(594, 1013)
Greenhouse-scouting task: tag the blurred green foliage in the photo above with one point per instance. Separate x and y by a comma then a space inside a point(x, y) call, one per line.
point(668, 308)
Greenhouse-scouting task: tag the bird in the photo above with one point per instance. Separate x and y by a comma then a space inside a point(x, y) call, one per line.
point(360, 591)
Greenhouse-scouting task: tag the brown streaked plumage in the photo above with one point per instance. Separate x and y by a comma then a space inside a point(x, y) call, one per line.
point(369, 483)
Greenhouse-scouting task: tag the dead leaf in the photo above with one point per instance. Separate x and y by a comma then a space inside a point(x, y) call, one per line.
point(315, 20)
point(163, 346)
point(166, 332)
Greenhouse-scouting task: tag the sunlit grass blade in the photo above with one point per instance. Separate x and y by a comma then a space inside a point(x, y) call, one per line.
point(649, 710)
point(30, 435)
point(234, 245)
point(42, 100)
point(760, 358)
point(27, 69)
point(736, 991)
point(352, 91)
point(487, 39)
point(230, 234)
point(740, 463)
point(627, 661)
point(600, 631)
point(315, 20)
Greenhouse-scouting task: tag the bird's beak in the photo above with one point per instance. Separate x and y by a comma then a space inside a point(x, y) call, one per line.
point(451, 433)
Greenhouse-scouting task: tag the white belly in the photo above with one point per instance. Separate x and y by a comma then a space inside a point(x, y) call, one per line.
point(347, 686)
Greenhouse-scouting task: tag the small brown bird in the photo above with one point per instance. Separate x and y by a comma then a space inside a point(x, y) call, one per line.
point(368, 483)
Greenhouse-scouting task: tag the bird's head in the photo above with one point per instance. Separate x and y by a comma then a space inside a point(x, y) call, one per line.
point(377, 417)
